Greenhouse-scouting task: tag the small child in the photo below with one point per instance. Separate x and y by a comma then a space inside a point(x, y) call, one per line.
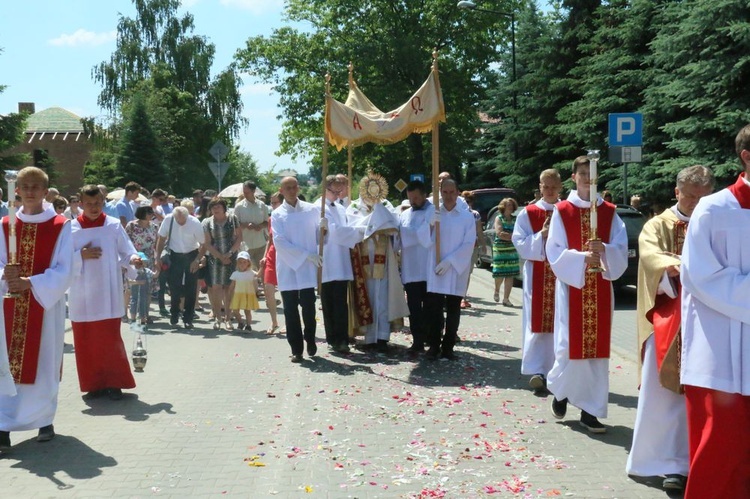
point(244, 292)
point(140, 289)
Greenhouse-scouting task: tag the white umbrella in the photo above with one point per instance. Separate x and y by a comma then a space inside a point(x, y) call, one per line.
point(118, 194)
point(234, 190)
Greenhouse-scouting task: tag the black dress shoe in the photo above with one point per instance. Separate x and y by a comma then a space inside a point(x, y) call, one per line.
point(449, 355)
point(296, 358)
point(114, 394)
point(312, 349)
point(173, 321)
point(164, 312)
point(4, 441)
point(591, 423)
point(432, 354)
point(559, 407)
point(188, 325)
point(46, 433)
point(671, 482)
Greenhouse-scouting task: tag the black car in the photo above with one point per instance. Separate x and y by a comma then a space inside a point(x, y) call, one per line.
point(632, 218)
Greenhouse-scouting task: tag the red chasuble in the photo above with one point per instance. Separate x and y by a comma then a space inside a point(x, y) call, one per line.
point(590, 308)
point(543, 285)
point(24, 315)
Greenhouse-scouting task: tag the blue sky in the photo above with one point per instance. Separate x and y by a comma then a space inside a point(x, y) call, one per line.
point(50, 46)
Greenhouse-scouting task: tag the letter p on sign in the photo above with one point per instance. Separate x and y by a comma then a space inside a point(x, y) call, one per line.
point(625, 129)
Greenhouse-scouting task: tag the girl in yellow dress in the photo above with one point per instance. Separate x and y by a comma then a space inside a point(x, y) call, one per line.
point(244, 292)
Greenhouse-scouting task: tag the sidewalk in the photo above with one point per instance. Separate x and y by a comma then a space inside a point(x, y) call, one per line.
point(220, 413)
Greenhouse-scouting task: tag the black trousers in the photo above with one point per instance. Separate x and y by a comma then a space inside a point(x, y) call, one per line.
point(163, 278)
point(335, 312)
point(434, 304)
point(304, 298)
point(182, 283)
point(415, 299)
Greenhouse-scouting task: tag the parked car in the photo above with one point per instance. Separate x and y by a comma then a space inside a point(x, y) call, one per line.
point(487, 199)
point(632, 218)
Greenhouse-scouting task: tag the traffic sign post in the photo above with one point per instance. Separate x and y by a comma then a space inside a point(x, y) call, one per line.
point(625, 141)
point(219, 169)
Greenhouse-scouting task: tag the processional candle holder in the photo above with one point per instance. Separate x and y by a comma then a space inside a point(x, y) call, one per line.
point(593, 157)
point(10, 177)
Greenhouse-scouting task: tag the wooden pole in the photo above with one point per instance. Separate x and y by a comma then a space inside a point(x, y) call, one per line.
point(436, 169)
point(324, 174)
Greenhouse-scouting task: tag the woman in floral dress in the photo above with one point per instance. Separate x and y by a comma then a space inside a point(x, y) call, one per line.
point(223, 240)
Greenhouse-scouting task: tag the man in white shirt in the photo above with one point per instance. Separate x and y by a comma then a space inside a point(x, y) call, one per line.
point(584, 300)
point(295, 236)
point(416, 241)
point(715, 369)
point(340, 237)
point(183, 237)
point(253, 217)
point(448, 279)
point(538, 318)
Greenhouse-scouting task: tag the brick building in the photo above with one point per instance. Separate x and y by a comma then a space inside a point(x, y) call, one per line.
point(55, 139)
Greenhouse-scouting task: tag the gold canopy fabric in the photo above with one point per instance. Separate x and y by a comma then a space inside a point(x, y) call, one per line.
point(358, 121)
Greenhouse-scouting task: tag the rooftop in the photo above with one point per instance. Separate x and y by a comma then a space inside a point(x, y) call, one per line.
point(54, 119)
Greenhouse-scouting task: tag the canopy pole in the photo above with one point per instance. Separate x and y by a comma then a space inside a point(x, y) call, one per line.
point(436, 165)
point(324, 174)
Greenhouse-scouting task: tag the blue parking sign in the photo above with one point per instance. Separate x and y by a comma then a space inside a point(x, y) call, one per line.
point(625, 129)
point(416, 176)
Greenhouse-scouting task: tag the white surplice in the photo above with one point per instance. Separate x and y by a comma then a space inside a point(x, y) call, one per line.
point(715, 290)
point(97, 292)
point(34, 405)
point(458, 233)
point(584, 382)
point(295, 236)
point(538, 347)
point(416, 242)
point(341, 237)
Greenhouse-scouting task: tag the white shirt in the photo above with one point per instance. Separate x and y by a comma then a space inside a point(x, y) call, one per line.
point(416, 241)
point(458, 233)
point(341, 237)
point(715, 304)
point(295, 235)
point(184, 238)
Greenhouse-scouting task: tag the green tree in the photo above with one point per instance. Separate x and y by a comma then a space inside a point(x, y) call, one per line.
point(390, 45)
point(158, 55)
point(12, 127)
point(698, 99)
point(140, 158)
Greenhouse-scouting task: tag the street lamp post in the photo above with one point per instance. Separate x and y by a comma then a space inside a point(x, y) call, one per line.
point(469, 5)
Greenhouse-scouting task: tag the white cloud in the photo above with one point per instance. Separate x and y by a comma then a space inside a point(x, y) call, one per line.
point(84, 37)
point(255, 6)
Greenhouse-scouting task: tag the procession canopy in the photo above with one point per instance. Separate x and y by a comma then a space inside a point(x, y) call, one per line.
point(358, 121)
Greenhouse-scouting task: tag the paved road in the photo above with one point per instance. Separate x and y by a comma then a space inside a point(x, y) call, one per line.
point(218, 413)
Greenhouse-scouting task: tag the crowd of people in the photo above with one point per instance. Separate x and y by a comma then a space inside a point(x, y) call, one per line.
point(373, 265)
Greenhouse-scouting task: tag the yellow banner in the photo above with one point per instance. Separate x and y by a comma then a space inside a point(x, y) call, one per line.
point(358, 121)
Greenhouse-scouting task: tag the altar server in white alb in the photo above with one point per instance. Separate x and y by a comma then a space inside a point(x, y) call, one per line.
point(295, 234)
point(416, 242)
point(660, 437)
point(448, 279)
point(34, 321)
point(584, 300)
point(538, 317)
point(339, 238)
point(102, 250)
point(716, 338)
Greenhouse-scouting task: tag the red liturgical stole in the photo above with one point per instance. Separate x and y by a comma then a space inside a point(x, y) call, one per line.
point(543, 285)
